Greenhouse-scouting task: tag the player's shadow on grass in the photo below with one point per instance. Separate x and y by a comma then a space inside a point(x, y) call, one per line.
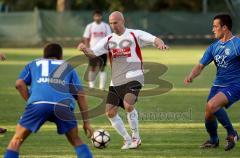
point(153, 71)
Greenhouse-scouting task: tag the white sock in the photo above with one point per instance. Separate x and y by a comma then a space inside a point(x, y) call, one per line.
point(133, 122)
point(102, 80)
point(91, 78)
point(118, 125)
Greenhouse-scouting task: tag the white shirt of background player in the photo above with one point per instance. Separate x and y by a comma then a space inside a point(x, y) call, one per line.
point(96, 32)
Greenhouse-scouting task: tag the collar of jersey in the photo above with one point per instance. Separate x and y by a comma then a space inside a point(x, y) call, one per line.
point(227, 40)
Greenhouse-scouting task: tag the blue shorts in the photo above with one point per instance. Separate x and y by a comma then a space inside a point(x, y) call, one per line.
point(231, 92)
point(36, 115)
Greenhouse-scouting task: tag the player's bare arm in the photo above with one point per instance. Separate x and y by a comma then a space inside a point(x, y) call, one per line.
point(82, 103)
point(196, 71)
point(22, 89)
point(87, 51)
point(160, 44)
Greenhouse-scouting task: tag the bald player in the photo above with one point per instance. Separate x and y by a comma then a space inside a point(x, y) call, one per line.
point(123, 47)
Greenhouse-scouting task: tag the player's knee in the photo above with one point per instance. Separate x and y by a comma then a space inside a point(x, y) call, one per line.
point(211, 107)
point(110, 113)
point(128, 107)
point(208, 115)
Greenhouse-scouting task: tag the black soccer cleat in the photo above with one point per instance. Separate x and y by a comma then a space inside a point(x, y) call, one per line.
point(231, 142)
point(209, 144)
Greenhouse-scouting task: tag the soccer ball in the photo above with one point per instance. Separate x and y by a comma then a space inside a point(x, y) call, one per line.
point(100, 138)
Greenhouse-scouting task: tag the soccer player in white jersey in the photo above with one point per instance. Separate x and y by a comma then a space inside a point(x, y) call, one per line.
point(94, 32)
point(123, 46)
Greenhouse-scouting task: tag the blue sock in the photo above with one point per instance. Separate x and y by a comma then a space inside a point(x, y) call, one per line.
point(211, 126)
point(223, 118)
point(11, 154)
point(83, 151)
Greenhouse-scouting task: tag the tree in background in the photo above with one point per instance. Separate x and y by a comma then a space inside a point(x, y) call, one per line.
point(63, 5)
point(110, 5)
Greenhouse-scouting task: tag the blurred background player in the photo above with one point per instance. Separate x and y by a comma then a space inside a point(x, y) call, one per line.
point(127, 78)
point(225, 53)
point(43, 102)
point(94, 32)
point(2, 57)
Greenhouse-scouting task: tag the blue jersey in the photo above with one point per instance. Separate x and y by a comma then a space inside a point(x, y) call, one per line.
point(226, 56)
point(51, 81)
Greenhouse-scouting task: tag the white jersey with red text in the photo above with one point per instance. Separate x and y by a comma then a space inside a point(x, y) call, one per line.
point(96, 32)
point(125, 54)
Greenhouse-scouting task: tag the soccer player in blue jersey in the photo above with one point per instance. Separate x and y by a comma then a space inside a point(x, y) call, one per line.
point(50, 98)
point(225, 52)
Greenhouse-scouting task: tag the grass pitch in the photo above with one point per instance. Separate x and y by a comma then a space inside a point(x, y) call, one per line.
point(171, 123)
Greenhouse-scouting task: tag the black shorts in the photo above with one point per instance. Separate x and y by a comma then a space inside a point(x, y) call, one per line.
point(99, 61)
point(116, 94)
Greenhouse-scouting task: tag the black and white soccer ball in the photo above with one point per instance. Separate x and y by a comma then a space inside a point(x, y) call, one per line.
point(100, 138)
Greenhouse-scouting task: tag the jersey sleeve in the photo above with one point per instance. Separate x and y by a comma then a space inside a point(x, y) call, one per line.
point(207, 57)
point(25, 75)
point(145, 38)
point(101, 47)
point(87, 32)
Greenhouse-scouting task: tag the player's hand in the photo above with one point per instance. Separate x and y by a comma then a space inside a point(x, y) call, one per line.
point(163, 47)
point(188, 80)
point(87, 129)
point(82, 47)
point(160, 44)
point(2, 57)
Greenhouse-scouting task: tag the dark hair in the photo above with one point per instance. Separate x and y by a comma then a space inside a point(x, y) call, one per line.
point(225, 19)
point(99, 12)
point(52, 50)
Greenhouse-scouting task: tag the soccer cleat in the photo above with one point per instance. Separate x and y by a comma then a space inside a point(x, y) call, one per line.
point(231, 142)
point(2, 130)
point(209, 144)
point(126, 145)
point(136, 142)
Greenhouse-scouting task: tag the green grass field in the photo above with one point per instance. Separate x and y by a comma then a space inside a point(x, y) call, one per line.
point(171, 124)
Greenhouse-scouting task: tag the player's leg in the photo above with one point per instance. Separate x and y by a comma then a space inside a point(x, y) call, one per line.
point(211, 124)
point(81, 149)
point(92, 72)
point(113, 102)
point(130, 98)
point(66, 123)
point(132, 117)
point(215, 107)
point(102, 73)
point(117, 124)
point(32, 119)
point(14, 145)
